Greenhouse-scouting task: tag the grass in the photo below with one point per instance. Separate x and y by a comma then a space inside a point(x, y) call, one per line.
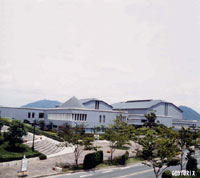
point(123, 148)
point(8, 153)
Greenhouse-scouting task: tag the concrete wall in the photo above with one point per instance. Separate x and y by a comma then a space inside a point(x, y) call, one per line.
point(93, 117)
point(172, 111)
point(20, 113)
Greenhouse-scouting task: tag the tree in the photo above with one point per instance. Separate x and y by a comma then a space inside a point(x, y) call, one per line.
point(191, 164)
point(42, 124)
point(184, 141)
point(118, 134)
point(151, 118)
point(15, 132)
point(124, 131)
point(1, 125)
point(76, 137)
point(111, 136)
point(159, 149)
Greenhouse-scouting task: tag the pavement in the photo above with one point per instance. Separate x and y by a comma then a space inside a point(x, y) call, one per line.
point(133, 171)
point(38, 168)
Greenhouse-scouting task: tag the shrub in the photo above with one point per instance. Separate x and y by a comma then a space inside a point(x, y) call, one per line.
point(91, 160)
point(191, 164)
point(167, 174)
point(26, 121)
point(198, 172)
point(1, 140)
point(42, 156)
point(121, 159)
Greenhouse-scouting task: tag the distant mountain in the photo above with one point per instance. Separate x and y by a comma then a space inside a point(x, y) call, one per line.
point(189, 113)
point(43, 104)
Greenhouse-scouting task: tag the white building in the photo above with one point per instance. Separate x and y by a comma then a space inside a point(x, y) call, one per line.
point(96, 113)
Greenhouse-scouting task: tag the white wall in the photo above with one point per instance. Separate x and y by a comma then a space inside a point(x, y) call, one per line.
point(19, 113)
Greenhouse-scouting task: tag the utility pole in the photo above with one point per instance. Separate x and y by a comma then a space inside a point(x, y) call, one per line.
point(33, 135)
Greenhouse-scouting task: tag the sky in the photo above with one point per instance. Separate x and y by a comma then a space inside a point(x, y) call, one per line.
point(114, 50)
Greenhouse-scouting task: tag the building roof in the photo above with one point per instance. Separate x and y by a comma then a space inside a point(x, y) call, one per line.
point(136, 104)
point(82, 101)
point(72, 103)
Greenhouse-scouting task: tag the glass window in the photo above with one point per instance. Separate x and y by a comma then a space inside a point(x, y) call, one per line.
point(33, 114)
point(29, 115)
point(100, 118)
point(104, 118)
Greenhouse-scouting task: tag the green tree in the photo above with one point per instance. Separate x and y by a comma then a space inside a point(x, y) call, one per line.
point(15, 132)
point(159, 149)
point(76, 137)
point(111, 136)
point(184, 141)
point(118, 134)
point(151, 118)
point(123, 130)
point(1, 125)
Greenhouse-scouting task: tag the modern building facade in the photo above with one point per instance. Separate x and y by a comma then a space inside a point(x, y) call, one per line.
point(96, 113)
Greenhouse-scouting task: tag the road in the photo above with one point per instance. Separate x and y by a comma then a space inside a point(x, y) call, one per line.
point(134, 171)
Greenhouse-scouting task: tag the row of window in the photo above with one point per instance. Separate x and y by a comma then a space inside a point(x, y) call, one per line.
point(102, 120)
point(79, 117)
point(32, 115)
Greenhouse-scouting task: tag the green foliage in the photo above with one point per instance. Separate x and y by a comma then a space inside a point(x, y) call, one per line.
point(191, 164)
point(118, 134)
point(6, 121)
point(42, 124)
point(1, 139)
point(8, 153)
point(1, 125)
point(15, 132)
point(167, 174)
point(26, 121)
point(42, 156)
point(91, 160)
point(184, 141)
point(121, 160)
point(159, 148)
point(151, 118)
point(76, 137)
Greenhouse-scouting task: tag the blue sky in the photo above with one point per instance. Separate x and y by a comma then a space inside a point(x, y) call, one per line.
point(114, 50)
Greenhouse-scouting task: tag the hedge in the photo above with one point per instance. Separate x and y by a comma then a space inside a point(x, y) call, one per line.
point(167, 174)
point(91, 160)
point(6, 155)
point(121, 159)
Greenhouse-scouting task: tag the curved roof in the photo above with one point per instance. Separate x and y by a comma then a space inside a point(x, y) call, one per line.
point(84, 101)
point(140, 104)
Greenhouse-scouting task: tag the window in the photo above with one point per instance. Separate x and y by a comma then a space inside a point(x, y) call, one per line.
point(166, 109)
point(33, 114)
point(85, 117)
point(104, 118)
point(96, 104)
point(41, 115)
point(100, 118)
point(29, 115)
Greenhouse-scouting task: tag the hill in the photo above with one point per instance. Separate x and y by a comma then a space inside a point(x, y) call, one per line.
point(189, 113)
point(43, 104)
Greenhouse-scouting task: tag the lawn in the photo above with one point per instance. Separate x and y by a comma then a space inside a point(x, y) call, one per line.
point(8, 153)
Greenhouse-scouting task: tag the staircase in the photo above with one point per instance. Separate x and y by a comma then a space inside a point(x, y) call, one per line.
point(46, 146)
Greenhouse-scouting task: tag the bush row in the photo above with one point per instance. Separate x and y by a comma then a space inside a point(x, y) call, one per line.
point(6, 154)
point(121, 159)
point(91, 160)
point(30, 128)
